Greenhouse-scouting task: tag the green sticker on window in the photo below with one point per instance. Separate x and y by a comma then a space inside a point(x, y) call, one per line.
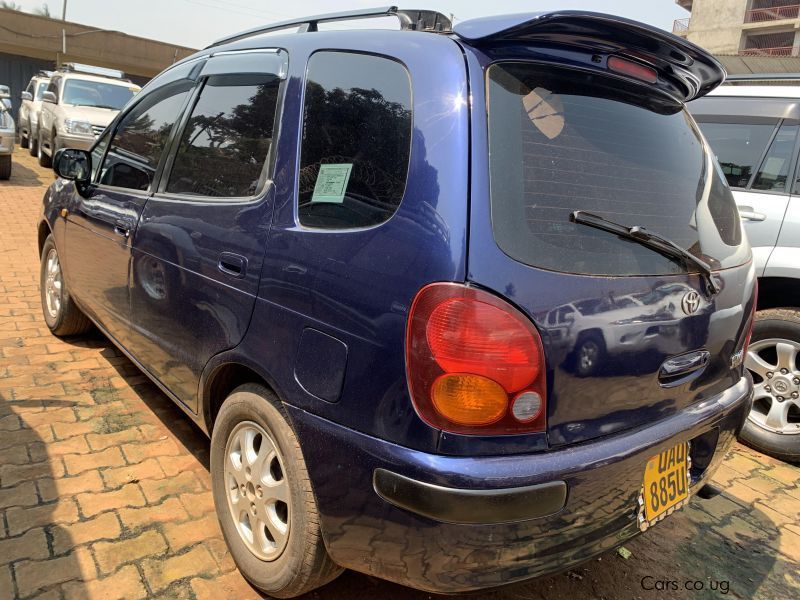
point(332, 183)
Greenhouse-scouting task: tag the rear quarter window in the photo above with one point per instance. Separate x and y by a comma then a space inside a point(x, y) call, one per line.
point(356, 140)
point(564, 140)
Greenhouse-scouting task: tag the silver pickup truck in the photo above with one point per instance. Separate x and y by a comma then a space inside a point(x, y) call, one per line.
point(752, 127)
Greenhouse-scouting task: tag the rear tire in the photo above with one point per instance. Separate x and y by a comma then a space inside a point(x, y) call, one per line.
point(62, 315)
point(772, 327)
point(23, 141)
point(297, 562)
point(5, 167)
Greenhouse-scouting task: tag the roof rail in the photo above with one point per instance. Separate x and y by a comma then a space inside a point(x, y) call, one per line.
point(410, 20)
point(92, 70)
point(43, 73)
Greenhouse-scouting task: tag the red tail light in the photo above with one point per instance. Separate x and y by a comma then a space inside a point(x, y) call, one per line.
point(632, 69)
point(475, 363)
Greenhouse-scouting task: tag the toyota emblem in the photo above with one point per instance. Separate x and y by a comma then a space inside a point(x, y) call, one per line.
point(690, 302)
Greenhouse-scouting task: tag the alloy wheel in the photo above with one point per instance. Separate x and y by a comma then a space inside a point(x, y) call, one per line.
point(53, 284)
point(257, 490)
point(588, 355)
point(776, 402)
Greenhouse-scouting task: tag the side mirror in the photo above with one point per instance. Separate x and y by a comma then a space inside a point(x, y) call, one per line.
point(72, 164)
point(49, 97)
point(26, 96)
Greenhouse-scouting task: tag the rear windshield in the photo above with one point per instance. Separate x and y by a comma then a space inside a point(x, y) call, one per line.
point(564, 140)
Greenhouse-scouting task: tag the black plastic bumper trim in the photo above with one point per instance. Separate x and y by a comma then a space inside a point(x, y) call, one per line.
point(453, 505)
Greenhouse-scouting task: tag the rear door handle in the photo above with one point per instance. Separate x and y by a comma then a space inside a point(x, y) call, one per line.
point(748, 214)
point(232, 264)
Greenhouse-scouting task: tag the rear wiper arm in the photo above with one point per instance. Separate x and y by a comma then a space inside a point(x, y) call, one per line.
point(648, 239)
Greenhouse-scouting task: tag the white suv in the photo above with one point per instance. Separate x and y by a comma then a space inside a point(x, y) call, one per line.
point(29, 111)
point(753, 130)
point(80, 101)
point(7, 133)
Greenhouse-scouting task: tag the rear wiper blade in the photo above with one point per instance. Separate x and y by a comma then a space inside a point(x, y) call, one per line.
point(648, 239)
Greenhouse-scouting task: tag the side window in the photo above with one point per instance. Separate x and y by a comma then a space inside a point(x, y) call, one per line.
point(97, 154)
point(356, 140)
point(775, 168)
point(224, 147)
point(738, 147)
point(30, 88)
point(141, 136)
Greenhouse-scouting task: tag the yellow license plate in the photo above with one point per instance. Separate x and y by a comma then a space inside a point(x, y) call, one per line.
point(666, 482)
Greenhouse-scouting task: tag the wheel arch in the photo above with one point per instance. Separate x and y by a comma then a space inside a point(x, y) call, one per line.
point(594, 332)
point(778, 292)
point(43, 232)
point(221, 376)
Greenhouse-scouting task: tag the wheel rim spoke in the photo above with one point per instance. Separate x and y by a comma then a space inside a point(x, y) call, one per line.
point(757, 364)
point(777, 415)
point(760, 392)
point(787, 354)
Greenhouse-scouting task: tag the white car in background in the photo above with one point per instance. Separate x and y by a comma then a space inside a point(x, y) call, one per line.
point(5, 96)
point(78, 104)
point(8, 133)
point(29, 111)
point(753, 126)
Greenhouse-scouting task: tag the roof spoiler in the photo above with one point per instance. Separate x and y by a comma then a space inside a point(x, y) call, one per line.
point(691, 69)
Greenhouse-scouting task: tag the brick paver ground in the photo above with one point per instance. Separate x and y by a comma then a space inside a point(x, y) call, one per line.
point(104, 484)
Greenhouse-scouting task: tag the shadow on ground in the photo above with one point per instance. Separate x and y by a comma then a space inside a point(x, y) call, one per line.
point(22, 176)
point(26, 470)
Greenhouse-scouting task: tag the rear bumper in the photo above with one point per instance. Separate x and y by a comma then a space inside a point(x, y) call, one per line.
point(6, 141)
point(415, 543)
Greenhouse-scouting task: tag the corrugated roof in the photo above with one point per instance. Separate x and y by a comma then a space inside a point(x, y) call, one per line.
point(740, 65)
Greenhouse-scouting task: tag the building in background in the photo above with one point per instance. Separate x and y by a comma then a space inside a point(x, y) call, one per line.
point(748, 36)
point(29, 43)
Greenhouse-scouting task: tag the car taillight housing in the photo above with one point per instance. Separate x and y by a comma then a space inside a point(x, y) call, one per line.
point(475, 364)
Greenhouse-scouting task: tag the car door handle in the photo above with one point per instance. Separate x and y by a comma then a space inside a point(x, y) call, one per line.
point(747, 213)
point(232, 264)
point(122, 230)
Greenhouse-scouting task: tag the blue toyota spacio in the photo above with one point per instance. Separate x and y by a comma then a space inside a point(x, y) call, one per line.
point(458, 306)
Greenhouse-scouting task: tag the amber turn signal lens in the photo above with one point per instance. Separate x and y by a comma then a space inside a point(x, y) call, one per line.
point(469, 399)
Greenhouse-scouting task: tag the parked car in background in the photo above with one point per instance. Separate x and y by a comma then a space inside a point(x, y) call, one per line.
point(333, 250)
point(8, 135)
point(78, 104)
point(5, 96)
point(753, 129)
point(29, 111)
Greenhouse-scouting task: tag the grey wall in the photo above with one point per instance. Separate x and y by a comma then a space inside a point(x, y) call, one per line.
point(16, 72)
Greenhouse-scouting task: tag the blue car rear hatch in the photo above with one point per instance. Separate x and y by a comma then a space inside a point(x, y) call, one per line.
point(685, 71)
point(576, 116)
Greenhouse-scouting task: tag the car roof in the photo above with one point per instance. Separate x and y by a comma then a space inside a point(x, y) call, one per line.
point(718, 107)
point(687, 71)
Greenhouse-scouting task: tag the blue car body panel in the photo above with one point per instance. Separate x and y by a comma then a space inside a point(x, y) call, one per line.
point(321, 315)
